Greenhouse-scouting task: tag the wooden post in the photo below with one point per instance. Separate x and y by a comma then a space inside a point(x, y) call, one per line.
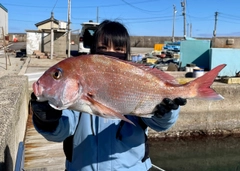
point(4, 48)
point(52, 36)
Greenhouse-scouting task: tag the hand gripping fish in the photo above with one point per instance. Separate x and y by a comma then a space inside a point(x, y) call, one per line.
point(111, 88)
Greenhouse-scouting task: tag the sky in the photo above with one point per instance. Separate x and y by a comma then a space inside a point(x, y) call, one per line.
point(141, 17)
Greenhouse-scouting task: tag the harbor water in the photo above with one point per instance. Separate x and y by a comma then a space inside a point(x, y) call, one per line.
point(196, 154)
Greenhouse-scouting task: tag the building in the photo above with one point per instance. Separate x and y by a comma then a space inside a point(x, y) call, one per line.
point(40, 39)
point(3, 20)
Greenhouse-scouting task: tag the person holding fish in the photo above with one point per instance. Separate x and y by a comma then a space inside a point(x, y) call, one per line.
point(97, 143)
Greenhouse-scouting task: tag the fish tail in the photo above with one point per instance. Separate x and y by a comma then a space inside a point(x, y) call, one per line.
point(204, 82)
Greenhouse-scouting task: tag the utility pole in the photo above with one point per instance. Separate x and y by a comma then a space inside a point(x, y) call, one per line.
point(52, 36)
point(183, 4)
point(97, 14)
point(215, 25)
point(190, 29)
point(69, 28)
point(174, 15)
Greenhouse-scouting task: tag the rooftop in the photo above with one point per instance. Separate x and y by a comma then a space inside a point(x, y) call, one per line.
point(5, 9)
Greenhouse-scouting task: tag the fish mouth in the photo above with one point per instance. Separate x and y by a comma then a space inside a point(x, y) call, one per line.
point(38, 91)
point(58, 100)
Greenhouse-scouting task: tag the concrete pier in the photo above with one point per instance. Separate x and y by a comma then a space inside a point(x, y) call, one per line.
point(13, 116)
point(203, 117)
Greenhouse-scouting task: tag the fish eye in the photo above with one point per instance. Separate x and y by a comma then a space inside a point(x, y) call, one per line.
point(58, 74)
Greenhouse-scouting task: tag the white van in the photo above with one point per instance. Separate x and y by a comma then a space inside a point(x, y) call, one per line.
point(86, 36)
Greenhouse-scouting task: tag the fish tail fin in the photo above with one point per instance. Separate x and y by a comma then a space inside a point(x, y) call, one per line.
point(204, 82)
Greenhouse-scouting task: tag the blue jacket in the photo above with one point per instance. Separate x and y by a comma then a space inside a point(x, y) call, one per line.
point(101, 144)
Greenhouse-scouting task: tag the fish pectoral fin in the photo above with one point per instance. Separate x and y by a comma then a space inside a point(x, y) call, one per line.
point(101, 110)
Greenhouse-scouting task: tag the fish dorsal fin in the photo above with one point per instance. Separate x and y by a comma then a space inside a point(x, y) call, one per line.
point(160, 74)
point(154, 71)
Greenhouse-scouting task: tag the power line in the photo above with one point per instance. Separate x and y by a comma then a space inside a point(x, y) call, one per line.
point(133, 6)
point(203, 18)
point(147, 21)
point(32, 6)
point(88, 6)
point(229, 16)
point(55, 5)
point(140, 19)
point(129, 20)
point(91, 6)
point(229, 21)
point(21, 20)
point(149, 18)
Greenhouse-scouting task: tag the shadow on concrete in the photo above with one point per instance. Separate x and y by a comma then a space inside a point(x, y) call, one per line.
point(7, 164)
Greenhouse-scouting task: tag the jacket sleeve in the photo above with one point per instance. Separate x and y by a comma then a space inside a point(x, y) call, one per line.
point(65, 128)
point(164, 123)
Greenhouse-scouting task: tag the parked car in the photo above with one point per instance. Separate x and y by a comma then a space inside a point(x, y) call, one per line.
point(86, 36)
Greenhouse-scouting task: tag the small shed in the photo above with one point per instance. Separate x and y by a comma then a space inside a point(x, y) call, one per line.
point(40, 39)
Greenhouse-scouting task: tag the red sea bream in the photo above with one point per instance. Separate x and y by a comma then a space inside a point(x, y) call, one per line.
point(109, 87)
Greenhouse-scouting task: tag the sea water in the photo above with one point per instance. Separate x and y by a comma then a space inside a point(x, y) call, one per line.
point(196, 154)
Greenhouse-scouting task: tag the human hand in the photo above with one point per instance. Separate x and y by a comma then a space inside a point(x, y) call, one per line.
point(167, 105)
point(43, 111)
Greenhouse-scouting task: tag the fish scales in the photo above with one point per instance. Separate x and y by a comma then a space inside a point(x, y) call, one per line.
point(136, 88)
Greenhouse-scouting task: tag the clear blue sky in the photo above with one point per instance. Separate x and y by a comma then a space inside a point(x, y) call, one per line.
point(141, 17)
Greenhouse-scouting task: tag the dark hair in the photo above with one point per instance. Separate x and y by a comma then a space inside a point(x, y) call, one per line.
point(111, 31)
